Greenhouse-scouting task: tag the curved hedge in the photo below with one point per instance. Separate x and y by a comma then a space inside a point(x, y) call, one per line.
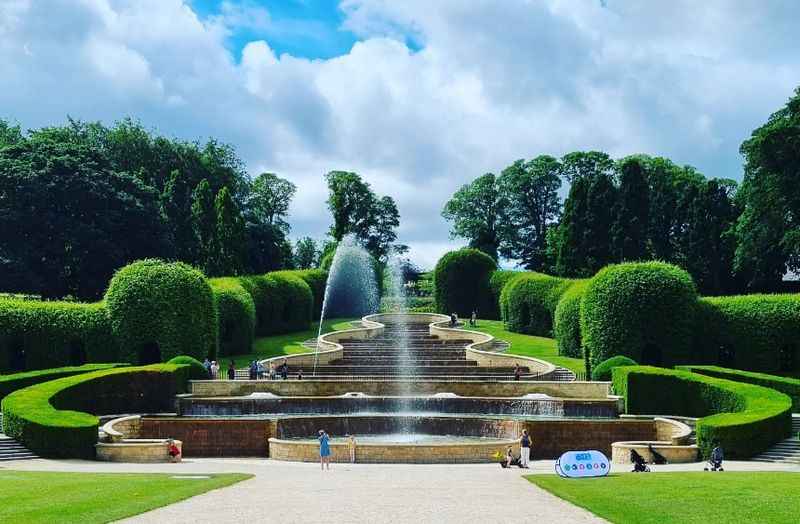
point(567, 320)
point(644, 311)
point(744, 419)
point(752, 332)
point(316, 279)
point(528, 303)
point(53, 334)
point(602, 372)
point(236, 315)
point(497, 282)
point(283, 302)
point(11, 383)
point(786, 385)
point(58, 418)
point(461, 282)
point(196, 369)
point(160, 310)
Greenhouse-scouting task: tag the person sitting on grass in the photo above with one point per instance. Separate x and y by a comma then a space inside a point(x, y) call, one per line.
point(173, 450)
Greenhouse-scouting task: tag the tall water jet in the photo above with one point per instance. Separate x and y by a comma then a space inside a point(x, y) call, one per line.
point(351, 289)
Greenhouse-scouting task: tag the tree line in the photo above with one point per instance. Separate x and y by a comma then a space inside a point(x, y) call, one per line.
point(730, 237)
point(79, 201)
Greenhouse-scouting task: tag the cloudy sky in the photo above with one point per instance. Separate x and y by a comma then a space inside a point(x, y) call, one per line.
point(418, 96)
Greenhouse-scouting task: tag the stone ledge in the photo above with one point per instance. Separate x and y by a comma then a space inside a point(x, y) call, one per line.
point(135, 450)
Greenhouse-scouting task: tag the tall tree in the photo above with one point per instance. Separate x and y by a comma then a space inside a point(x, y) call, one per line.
point(582, 164)
point(176, 204)
point(269, 200)
point(768, 232)
point(306, 253)
point(230, 238)
point(600, 202)
point(384, 221)
point(531, 192)
point(476, 211)
point(629, 230)
point(570, 246)
point(204, 220)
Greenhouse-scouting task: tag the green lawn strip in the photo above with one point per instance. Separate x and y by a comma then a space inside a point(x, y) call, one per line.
point(686, 497)
point(286, 343)
point(529, 346)
point(95, 497)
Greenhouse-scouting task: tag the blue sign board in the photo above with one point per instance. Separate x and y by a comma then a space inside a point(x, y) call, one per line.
point(578, 464)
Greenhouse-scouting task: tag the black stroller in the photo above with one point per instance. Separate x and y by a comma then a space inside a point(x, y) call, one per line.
point(658, 458)
point(639, 464)
point(715, 460)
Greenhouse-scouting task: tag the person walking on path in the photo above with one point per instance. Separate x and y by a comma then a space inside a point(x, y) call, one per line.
point(351, 443)
point(324, 450)
point(524, 449)
point(231, 371)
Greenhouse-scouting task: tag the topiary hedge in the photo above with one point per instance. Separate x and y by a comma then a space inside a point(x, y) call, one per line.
point(497, 282)
point(236, 314)
point(195, 371)
point(744, 419)
point(58, 418)
point(786, 385)
point(528, 303)
point(602, 372)
point(11, 383)
point(567, 320)
point(752, 332)
point(644, 311)
point(283, 302)
point(461, 282)
point(40, 335)
point(316, 279)
point(160, 310)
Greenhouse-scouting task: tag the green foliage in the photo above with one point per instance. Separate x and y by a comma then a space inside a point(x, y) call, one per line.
point(497, 282)
point(236, 314)
point(567, 320)
point(461, 280)
point(54, 334)
point(644, 311)
point(789, 386)
point(602, 372)
point(750, 332)
point(229, 241)
point(528, 303)
point(742, 418)
point(477, 213)
point(316, 279)
point(11, 383)
point(270, 197)
point(283, 302)
point(59, 418)
point(629, 231)
point(306, 253)
point(161, 310)
point(195, 371)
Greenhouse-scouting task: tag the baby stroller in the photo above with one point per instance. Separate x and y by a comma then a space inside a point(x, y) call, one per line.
point(715, 460)
point(658, 458)
point(639, 464)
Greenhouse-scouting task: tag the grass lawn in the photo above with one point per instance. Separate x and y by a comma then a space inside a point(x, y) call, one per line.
point(287, 343)
point(529, 346)
point(737, 497)
point(95, 497)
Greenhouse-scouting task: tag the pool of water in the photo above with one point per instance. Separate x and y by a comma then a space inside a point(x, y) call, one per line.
point(407, 438)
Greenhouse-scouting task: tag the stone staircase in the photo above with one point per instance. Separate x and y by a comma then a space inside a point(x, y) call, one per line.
point(787, 451)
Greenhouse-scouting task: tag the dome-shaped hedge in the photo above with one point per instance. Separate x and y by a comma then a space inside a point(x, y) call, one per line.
point(283, 302)
point(461, 281)
point(567, 320)
point(602, 372)
point(497, 282)
point(196, 371)
point(644, 311)
point(236, 313)
point(528, 303)
point(160, 310)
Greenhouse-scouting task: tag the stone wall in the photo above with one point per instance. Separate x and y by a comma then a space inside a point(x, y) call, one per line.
point(213, 437)
point(551, 438)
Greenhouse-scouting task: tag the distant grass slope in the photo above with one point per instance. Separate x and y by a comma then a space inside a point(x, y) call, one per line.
point(287, 343)
point(34, 497)
point(529, 345)
point(684, 497)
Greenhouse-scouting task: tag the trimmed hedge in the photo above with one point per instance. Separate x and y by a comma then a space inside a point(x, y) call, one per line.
point(788, 386)
point(752, 332)
point(644, 311)
point(11, 383)
point(196, 370)
point(567, 320)
point(59, 418)
point(316, 279)
point(497, 282)
point(160, 310)
point(742, 418)
point(236, 314)
point(283, 302)
point(528, 303)
point(461, 282)
point(41, 335)
point(602, 372)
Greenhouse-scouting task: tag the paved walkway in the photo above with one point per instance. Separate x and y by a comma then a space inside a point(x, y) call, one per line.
point(363, 493)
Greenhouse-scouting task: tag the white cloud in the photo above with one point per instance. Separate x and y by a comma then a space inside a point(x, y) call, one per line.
point(490, 84)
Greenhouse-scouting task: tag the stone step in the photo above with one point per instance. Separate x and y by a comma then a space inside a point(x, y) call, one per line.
point(403, 361)
point(411, 370)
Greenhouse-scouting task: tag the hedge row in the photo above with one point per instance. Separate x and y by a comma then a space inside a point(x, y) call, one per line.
point(316, 279)
point(11, 383)
point(528, 302)
point(461, 283)
point(39, 335)
point(283, 302)
point(497, 282)
point(59, 418)
point(567, 320)
point(788, 386)
point(752, 332)
point(236, 314)
point(742, 418)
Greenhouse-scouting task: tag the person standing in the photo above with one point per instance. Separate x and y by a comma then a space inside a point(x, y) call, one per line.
point(517, 371)
point(231, 371)
point(284, 370)
point(271, 370)
point(214, 370)
point(524, 449)
point(473, 320)
point(351, 444)
point(324, 450)
point(207, 366)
